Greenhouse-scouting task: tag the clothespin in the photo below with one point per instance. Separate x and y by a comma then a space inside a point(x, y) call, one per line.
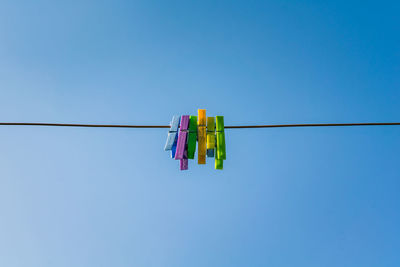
point(201, 154)
point(210, 136)
point(172, 136)
point(192, 137)
point(181, 147)
point(221, 148)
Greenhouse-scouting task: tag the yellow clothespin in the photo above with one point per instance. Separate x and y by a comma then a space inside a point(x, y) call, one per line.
point(201, 135)
point(210, 136)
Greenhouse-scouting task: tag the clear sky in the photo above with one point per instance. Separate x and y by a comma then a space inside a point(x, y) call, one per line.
point(112, 197)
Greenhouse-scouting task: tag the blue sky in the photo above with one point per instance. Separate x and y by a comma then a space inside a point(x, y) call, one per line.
point(113, 197)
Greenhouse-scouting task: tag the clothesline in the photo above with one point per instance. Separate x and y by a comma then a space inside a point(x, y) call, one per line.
point(186, 131)
point(226, 127)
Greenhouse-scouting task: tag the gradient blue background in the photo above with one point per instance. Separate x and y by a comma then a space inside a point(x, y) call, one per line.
point(113, 197)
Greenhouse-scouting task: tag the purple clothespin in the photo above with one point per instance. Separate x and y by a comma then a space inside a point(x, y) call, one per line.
point(181, 146)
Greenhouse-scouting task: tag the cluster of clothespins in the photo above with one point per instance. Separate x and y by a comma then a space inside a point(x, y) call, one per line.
point(187, 130)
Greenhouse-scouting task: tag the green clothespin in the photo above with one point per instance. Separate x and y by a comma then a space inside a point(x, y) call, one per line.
point(192, 138)
point(220, 154)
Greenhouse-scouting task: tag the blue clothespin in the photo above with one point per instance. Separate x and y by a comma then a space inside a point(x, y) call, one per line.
point(172, 136)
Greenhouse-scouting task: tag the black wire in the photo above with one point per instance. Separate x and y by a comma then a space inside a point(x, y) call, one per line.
point(226, 127)
point(315, 125)
point(81, 125)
